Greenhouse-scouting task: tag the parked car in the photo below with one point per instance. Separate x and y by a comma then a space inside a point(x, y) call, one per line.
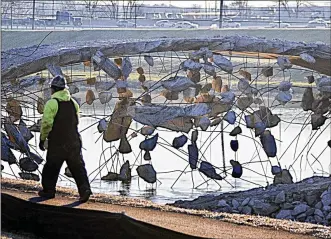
point(186, 25)
point(125, 23)
point(319, 22)
point(164, 23)
point(275, 24)
point(226, 23)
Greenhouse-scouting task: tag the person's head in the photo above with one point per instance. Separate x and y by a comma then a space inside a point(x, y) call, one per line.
point(58, 83)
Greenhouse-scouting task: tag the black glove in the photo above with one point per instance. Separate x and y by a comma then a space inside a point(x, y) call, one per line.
point(41, 145)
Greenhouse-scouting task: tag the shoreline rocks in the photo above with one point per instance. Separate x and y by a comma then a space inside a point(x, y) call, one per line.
point(306, 201)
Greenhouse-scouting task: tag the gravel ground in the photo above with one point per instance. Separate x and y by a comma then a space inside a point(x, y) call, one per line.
point(199, 223)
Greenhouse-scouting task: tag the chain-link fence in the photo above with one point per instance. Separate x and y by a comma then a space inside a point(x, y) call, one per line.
point(166, 14)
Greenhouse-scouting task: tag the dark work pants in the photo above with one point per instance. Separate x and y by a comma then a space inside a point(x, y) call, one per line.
point(56, 155)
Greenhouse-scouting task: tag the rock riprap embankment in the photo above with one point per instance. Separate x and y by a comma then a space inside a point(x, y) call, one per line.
point(306, 201)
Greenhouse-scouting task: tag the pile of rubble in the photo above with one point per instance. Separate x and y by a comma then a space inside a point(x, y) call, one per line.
point(305, 201)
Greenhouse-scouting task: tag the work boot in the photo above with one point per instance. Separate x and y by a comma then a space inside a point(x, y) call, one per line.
point(84, 197)
point(48, 195)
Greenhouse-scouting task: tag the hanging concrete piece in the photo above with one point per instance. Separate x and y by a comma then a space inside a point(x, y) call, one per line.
point(320, 105)
point(105, 96)
point(216, 122)
point(194, 136)
point(179, 141)
point(40, 105)
point(107, 65)
point(155, 115)
point(234, 144)
point(191, 65)
point(276, 170)
point(203, 52)
point(102, 126)
point(119, 122)
point(219, 108)
point(91, 80)
point(227, 97)
point(110, 177)
point(258, 101)
point(146, 99)
point(317, 120)
point(14, 109)
point(124, 147)
point(180, 124)
point(204, 98)
point(147, 130)
point(90, 97)
point(265, 115)
point(284, 86)
point(142, 78)
point(170, 95)
point(307, 99)
point(284, 63)
point(177, 83)
point(308, 58)
point(203, 122)
point(245, 87)
point(147, 173)
point(230, 117)
point(310, 79)
point(268, 71)
point(16, 137)
point(189, 94)
point(149, 60)
point(193, 155)
point(237, 130)
point(237, 169)
point(223, 63)
point(206, 88)
point(268, 143)
point(30, 81)
point(54, 70)
point(324, 84)
point(140, 70)
point(29, 176)
point(194, 76)
point(283, 97)
point(208, 169)
point(26, 133)
point(209, 69)
point(149, 144)
point(197, 110)
point(217, 84)
point(104, 85)
point(245, 74)
point(73, 89)
point(126, 67)
point(6, 153)
point(27, 164)
point(244, 102)
point(125, 172)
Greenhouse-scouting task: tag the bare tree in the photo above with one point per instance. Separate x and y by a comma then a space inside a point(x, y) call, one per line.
point(112, 8)
point(241, 5)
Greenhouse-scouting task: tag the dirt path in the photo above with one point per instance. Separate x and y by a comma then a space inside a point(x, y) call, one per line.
point(193, 225)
